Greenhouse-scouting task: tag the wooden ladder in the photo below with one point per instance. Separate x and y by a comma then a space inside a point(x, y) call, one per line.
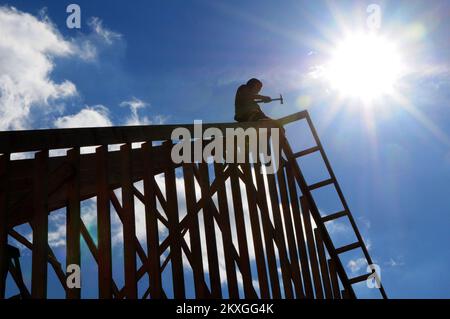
point(322, 220)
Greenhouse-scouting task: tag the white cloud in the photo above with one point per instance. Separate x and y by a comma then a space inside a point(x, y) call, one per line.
point(356, 264)
point(89, 212)
point(27, 50)
point(57, 233)
point(135, 105)
point(99, 116)
point(337, 227)
point(94, 116)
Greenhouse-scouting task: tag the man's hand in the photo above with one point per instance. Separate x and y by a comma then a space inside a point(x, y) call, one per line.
point(266, 99)
point(262, 98)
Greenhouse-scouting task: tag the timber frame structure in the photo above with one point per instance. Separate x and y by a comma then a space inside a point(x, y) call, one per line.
point(240, 233)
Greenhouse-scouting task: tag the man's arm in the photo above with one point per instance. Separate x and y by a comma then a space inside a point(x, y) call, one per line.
point(244, 94)
point(263, 98)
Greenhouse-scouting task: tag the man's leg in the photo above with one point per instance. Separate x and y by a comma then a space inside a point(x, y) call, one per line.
point(262, 117)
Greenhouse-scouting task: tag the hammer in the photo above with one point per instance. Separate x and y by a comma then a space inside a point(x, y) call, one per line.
point(279, 99)
point(271, 100)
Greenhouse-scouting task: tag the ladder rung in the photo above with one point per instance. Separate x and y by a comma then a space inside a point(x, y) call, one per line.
point(359, 278)
point(321, 184)
point(334, 216)
point(343, 249)
point(306, 152)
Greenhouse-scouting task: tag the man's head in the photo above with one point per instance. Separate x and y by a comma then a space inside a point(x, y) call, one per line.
point(255, 85)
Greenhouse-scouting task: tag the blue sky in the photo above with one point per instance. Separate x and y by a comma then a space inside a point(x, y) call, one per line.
point(176, 61)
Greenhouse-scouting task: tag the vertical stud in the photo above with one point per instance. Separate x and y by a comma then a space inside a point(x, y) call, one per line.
point(40, 226)
point(73, 227)
point(129, 224)
point(103, 225)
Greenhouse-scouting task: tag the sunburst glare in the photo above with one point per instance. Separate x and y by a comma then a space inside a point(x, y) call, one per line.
point(366, 66)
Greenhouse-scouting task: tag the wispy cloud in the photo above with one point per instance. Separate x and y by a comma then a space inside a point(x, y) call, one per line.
point(365, 222)
point(356, 265)
point(88, 46)
point(395, 262)
point(337, 227)
point(57, 233)
point(107, 35)
point(135, 105)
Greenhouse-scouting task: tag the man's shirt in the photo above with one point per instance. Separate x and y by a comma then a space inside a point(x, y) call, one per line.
point(244, 103)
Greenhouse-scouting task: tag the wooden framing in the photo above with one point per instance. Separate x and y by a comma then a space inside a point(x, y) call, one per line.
point(259, 235)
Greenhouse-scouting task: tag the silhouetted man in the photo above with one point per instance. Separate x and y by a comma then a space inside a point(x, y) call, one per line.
point(246, 102)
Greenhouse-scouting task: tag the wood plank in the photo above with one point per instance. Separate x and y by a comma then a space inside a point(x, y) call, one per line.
point(121, 212)
point(323, 265)
point(16, 273)
point(73, 231)
point(21, 174)
point(316, 216)
point(21, 185)
point(306, 152)
point(129, 225)
point(201, 291)
point(141, 197)
point(230, 268)
point(103, 225)
point(311, 248)
point(286, 270)
point(360, 278)
point(292, 246)
point(4, 184)
point(334, 279)
point(296, 213)
point(244, 259)
point(185, 222)
point(340, 268)
point(95, 253)
point(210, 233)
point(174, 228)
point(348, 247)
point(268, 234)
point(345, 294)
point(334, 216)
point(321, 184)
point(216, 214)
point(40, 227)
point(33, 140)
point(256, 232)
point(151, 222)
point(56, 265)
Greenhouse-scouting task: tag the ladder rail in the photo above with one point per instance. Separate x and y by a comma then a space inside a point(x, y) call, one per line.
point(341, 196)
point(317, 218)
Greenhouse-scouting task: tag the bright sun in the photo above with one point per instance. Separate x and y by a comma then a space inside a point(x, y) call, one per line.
point(364, 66)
